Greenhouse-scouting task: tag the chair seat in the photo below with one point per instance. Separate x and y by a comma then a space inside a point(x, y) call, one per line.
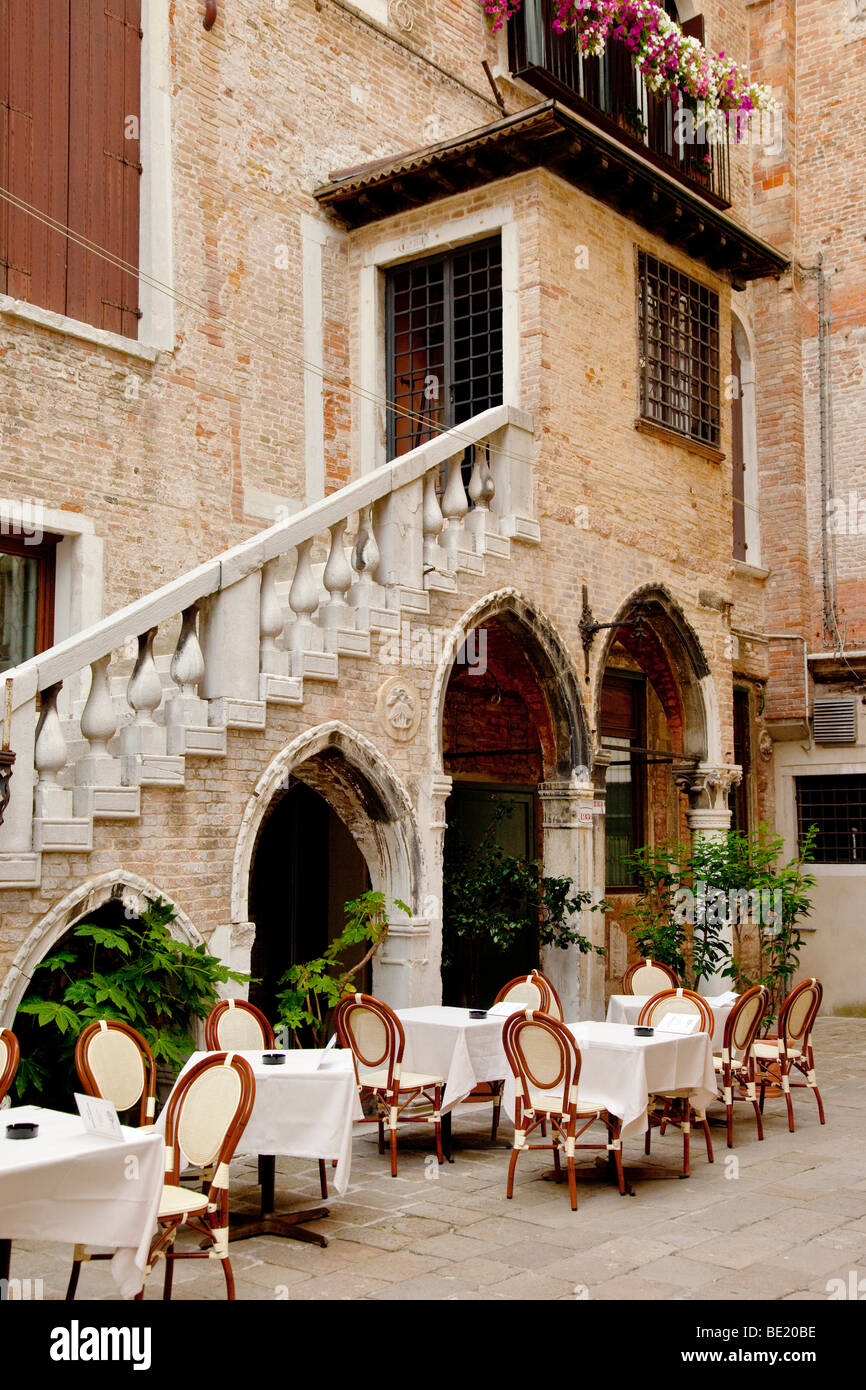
point(719, 1063)
point(770, 1048)
point(547, 1105)
point(180, 1201)
point(682, 1094)
point(409, 1081)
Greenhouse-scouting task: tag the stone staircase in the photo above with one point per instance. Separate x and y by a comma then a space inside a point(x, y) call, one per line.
point(254, 627)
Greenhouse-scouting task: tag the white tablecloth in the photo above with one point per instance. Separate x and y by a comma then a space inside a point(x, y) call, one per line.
point(304, 1108)
point(446, 1042)
point(619, 1071)
point(625, 1008)
point(80, 1188)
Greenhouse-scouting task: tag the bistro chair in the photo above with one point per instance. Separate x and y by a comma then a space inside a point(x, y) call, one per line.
point(10, 1055)
point(790, 1049)
point(673, 1107)
point(113, 1062)
point(535, 992)
point(554, 1003)
point(237, 1024)
point(205, 1118)
point(375, 1036)
point(736, 1065)
point(647, 977)
point(545, 1061)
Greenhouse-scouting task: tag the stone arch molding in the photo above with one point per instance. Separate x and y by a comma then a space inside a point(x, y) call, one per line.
point(391, 844)
point(116, 886)
point(547, 651)
point(689, 665)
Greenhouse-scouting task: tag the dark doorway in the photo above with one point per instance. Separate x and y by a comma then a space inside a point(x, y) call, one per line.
point(306, 867)
point(474, 980)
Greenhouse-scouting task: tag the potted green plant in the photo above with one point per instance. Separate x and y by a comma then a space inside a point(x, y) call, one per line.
point(133, 971)
point(308, 994)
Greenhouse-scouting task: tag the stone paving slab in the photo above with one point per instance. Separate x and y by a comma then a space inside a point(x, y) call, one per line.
point(771, 1220)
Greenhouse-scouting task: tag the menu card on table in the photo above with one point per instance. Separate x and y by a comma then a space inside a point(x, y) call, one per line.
point(99, 1116)
point(679, 1023)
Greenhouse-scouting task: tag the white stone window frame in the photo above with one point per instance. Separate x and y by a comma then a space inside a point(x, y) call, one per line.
point(155, 227)
point(786, 800)
point(745, 347)
point(440, 233)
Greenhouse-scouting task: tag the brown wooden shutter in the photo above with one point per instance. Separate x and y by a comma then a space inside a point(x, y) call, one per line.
point(694, 28)
point(34, 91)
point(104, 168)
point(738, 458)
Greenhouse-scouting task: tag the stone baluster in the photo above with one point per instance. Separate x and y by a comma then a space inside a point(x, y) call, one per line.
point(482, 490)
point(143, 694)
point(365, 562)
point(50, 759)
point(433, 524)
point(301, 635)
point(98, 725)
point(454, 509)
point(185, 709)
point(271, 622)
point(337, 579)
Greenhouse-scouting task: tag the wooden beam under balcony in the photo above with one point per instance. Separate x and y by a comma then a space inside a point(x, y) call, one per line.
point(581, 151)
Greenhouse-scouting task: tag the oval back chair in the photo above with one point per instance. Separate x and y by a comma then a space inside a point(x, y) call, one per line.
point(545, 1062)
point(374, 1033)
point(554, 1003)
point(677, 1001)
point(530, 990)
point(10, 1055)
point(114, 1062)
point(791, 1049)
point(235, 1024)
point(647, 977)
point(736, 1065)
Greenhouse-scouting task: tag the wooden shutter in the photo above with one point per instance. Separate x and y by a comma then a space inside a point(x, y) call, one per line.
point(738, 458)
point(104, 172)
point(694, 28)
point(34, 90)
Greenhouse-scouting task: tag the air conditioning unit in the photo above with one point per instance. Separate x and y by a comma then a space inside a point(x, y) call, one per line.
point(835, 721)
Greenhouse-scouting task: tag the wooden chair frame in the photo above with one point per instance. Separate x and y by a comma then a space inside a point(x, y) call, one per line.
point(674, 1108)
point(212, 1220)
point(493, 1090)
point(554, 1003)
point(12, 1058)
point(627, 983)
point(395, 1098)
point(736, 1064)
point(91, 1087)
point(565, 1111)
point(224, 1006)
point(793, 1049)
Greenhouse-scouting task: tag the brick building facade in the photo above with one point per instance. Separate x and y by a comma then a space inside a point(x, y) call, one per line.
point(302, 167)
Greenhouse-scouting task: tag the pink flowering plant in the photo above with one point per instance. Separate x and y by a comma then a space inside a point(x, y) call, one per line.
point(671, 63)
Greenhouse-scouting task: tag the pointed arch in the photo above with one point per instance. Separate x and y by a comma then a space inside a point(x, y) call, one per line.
point(350, 773)
point(118, 885)
point(548, 655)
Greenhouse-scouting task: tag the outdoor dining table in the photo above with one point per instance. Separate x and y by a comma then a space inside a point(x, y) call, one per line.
point(304, 1107)
point(625, 1008)
point(445, 1041)
point(80, 1188)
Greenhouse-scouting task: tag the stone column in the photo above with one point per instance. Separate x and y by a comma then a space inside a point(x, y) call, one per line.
point(567, 836)
point(433, 794)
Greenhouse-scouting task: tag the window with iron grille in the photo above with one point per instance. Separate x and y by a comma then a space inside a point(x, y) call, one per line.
point(837, 805)
point(444, 342)
point(623, 725)
point(678, 326)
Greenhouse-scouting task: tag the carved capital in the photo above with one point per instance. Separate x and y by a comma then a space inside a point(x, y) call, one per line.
point(708, 787)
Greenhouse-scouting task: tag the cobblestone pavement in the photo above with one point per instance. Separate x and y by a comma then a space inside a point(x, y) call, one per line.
point(771, 1220)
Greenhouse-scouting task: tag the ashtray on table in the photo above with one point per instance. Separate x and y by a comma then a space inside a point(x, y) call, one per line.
point(22, 1129)
point(643, 1031)
point(477, 1013)
point(273, 1059)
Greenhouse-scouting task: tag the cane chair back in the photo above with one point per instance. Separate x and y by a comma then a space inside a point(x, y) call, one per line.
point(554, 1003)
point(235, 1025)
point(797, 1016)
point(10, 1054)
point(545, 1061)
point(647, 977)
point(114, 1062)
point(532, 991)
point(737, 1066)
point(374, 1034)
point(676, 1001)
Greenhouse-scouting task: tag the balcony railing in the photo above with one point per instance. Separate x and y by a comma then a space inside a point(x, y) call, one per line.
point(610, 92)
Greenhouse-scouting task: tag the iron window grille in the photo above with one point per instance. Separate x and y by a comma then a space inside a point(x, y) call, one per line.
point(444, 342)
point(678, 327)
point(837, 805)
